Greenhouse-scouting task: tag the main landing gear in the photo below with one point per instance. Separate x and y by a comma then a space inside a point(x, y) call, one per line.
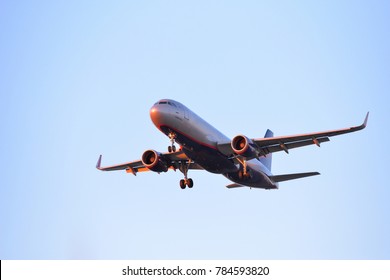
point(172, 147)
point(186, 182)
point(184, 166)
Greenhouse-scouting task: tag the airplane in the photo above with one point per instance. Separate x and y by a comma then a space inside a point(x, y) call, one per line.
point(244, 161)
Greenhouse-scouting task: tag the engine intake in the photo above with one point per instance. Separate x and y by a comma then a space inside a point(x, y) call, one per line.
point(154, 161)
point(244, 146)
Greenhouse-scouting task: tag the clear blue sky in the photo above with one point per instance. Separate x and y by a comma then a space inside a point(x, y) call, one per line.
point(77, 79)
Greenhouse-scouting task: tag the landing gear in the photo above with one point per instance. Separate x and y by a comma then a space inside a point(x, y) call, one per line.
point(184, 166)
point(244, 173)
point(182, 184)
point(186, 182)
point(172, 147)
point(190, 183)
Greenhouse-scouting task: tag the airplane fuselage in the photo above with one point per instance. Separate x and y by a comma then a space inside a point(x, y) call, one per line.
point(199, 140)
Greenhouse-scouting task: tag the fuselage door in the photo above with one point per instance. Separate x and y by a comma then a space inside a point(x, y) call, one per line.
point(186, 114)
point(183, 111)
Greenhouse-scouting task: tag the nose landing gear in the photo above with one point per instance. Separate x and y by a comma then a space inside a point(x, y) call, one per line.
point(172, 147)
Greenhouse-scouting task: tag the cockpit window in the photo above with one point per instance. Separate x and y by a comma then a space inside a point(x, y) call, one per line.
point(167, 102)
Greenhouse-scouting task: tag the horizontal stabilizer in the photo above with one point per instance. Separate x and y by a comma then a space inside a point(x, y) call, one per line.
point(286, 177)
point(234, 186)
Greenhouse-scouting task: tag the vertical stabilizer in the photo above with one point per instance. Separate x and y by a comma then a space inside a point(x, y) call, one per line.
point(267, 161)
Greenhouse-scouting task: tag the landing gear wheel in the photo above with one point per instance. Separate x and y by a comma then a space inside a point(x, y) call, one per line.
point(182, 184)
point(172, 149)
point(190, 183)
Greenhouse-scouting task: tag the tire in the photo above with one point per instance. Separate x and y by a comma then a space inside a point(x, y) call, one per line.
point(190, 183)
point(182, 184)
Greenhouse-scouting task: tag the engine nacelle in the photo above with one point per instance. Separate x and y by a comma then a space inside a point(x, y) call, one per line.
point(154, 161)
point(244, 146)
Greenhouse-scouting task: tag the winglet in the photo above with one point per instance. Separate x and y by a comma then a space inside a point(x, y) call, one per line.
point(99, 162)
point(365, 120)
point(362, 126)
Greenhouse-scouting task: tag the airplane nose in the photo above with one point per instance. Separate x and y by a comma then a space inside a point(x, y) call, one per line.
point(157, 114)
point(154, 114)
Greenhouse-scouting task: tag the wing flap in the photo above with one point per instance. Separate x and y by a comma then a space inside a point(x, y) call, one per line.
point(285, 146)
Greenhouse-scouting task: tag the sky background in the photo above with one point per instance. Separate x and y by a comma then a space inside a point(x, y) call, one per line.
point(77, 79)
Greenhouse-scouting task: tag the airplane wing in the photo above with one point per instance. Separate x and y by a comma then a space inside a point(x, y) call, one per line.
point(285, 143)
point(175, 159)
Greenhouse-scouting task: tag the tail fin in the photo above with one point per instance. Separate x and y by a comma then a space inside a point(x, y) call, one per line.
point(267, 161)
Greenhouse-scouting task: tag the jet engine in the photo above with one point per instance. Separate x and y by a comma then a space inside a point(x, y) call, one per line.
point(154, 161)
point(244, 146)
